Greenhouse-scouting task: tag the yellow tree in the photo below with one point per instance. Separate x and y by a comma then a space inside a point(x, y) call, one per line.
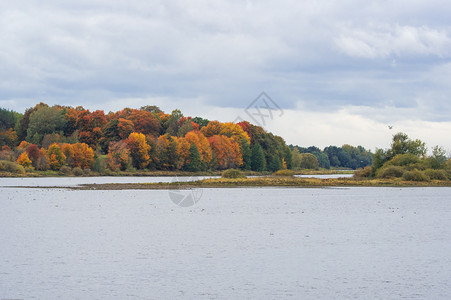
point(24, 160)
point(234, 131)
point(182, 147)
point(69, 152)
point(83, 156)
point(56, 156)
point(139, 150)
point(212, 128)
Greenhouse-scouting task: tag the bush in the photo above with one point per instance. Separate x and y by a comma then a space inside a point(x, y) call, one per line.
point(390, 172)
point(363, 173)
point(99, 165)
point(77, 171)
point(436, 174)
point(233, 173)
point(11, 167)
point(65, 170)
point(404, 159)
point(415, 175)
point(284, 173)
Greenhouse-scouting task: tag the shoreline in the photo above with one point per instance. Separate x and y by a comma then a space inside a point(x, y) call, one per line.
point(256, 182)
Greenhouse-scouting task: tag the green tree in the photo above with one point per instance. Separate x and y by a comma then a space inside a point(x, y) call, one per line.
point(296, 159)
point(22, 125)
point(45, 120)
point(401, 144)
point(194, 163)
point(201, 122)
point(309, 161)
point(246, 153)
point(8, 119)
point(258, 159)
point(438, 157)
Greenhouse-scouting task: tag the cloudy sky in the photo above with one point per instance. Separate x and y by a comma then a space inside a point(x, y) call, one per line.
point(341, 70)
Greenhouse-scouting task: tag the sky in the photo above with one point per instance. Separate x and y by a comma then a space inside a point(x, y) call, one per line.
point(335, 72)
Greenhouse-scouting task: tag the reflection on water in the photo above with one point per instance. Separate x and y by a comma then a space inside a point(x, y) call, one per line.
point(259, 243)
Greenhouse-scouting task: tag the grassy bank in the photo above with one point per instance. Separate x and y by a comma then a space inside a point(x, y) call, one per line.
point(267, 182)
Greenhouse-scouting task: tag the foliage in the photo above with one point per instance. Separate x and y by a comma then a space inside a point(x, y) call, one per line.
point(56, 157)
point(284, 173)
point(8, 119)
point(24, 160)
point(232, 173)
point(169, 137)
point(390, 172)
point(11, 167)
point(194, 163)
point(227, 151)
point(258, 159)
point(415, 175)
point(401, 144)
point(8, 138)
point(363, 173)
point(436, 174)
point(139, 150)
point(83, 156)
point(246, 154)
point(308, 161)
point(438, 157)
point(118, 156)
point(45, 120)
point(77, 171)
point(65, 170)
point(100, 164)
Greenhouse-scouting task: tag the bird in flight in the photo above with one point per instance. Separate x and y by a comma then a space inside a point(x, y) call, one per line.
point(390, 127)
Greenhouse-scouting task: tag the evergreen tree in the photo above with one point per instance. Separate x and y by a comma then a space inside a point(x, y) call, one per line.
point(258, 158)
point(195, 163)
point(246, 153)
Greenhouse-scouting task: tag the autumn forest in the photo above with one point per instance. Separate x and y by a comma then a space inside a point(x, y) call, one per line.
point(63, 138)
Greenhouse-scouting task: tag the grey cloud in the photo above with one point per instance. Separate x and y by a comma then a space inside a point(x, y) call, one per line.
point(323, 55)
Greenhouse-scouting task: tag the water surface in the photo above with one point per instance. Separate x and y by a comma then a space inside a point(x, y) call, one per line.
point(251, 243)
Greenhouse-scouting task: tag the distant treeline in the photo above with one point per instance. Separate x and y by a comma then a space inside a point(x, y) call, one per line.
point(346, 156)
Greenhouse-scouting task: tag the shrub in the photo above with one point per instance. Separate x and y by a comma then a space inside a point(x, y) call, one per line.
point(77, 171)
point(11, 167)
point(363, 173)
point(284, 173)
point(390, 172)
point(65, 170)
point(233, 173)
point(99, 165)
point(436, 174)
point(415, 175)
point(404, 159)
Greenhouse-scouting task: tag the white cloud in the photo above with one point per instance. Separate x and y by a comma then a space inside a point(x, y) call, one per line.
point(397, 40)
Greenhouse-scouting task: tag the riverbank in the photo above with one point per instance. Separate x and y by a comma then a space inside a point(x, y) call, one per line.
point(268, 181)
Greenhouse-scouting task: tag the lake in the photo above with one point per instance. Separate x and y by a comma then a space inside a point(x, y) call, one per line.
point(259, 243)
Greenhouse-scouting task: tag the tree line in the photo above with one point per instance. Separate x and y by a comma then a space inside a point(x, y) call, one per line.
point(55, 137)
point(346, 157)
